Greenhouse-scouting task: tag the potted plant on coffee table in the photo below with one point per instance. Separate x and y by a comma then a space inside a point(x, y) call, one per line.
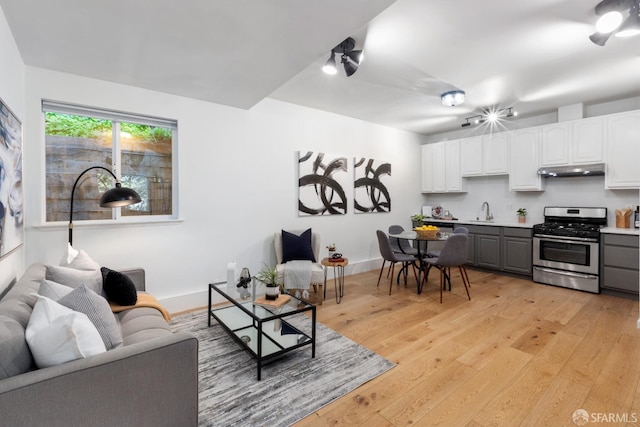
point(522, 214)
point(269, 276)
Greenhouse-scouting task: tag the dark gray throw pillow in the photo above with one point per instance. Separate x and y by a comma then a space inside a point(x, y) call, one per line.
point(297, 247)
point(118, 287)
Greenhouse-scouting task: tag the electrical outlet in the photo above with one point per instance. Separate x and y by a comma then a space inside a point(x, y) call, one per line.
point(509, 207)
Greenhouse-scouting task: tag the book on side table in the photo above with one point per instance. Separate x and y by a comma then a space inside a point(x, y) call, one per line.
point(280, 301)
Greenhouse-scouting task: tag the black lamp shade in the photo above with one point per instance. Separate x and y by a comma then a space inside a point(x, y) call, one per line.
point(119, 196)
point(350, 68)
point(355, 56)
point(116, 197)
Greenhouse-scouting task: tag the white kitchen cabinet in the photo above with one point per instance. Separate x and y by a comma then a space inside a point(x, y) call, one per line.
point(454, 180)
point(587, 141)
point(495, 151)
point(427, 169)
point(572, 143)
point(623, 151)
point(471, 156)
point(525, 160)
point(441, 168)
point(438, 164)
point(555, 140)
point(484, 155)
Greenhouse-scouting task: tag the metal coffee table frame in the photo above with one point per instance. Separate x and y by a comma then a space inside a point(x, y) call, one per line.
point(259, 329)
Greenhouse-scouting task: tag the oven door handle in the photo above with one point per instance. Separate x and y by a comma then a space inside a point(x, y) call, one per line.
point(565, 239)
point(566, 273)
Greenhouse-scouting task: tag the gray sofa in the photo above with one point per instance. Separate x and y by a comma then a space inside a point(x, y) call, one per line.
point(151, 380)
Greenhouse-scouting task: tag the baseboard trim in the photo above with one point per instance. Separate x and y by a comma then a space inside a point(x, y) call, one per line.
point(191, 301)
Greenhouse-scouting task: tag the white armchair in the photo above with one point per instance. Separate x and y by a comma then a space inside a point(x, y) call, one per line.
point(317, 271)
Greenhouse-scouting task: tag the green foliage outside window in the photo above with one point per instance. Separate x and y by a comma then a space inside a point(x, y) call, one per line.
point(88, 127)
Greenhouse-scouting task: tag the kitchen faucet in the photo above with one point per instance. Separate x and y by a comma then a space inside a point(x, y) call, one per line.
point(488, 217)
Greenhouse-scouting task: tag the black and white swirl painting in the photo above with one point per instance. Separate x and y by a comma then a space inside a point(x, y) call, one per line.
point(321, 184)
point(370, 192)
point(11, 204)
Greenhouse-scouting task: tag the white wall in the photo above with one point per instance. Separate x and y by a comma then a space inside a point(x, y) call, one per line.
point(238, 185)
point(12, 93)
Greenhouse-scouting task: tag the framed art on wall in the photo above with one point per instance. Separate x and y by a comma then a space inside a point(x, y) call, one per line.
point(11, 202)
point(370, 192)
point(321, 184)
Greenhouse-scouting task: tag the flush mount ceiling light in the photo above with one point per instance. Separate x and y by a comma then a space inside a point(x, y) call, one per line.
point(490, 115)
point(349, 58)
point(611, 20)
point(452, 98)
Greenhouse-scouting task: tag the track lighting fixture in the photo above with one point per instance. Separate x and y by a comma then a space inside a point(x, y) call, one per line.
point(489, 115)
point(611, 20)
point(349, 58)
point(330, 66)
point(452, 98)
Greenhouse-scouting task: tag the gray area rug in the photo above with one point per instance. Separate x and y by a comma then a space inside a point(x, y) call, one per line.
point(291, 388)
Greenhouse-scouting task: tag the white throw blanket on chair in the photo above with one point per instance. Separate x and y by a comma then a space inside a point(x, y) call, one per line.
point(297, 275)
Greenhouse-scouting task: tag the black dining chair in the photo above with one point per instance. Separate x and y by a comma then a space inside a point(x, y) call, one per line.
point(453, 254)
point(394, 258)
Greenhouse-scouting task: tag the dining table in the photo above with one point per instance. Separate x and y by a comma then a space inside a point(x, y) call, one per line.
point(421, 244)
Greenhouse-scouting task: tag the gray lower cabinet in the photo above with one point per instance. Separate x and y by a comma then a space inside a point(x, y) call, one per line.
point(488, 251)
point(517, 246)
point(498, 248)
point(619, 263)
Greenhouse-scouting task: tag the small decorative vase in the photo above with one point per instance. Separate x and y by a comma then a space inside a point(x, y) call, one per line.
point(272, 292)
point(522, 219)
point(331, 252)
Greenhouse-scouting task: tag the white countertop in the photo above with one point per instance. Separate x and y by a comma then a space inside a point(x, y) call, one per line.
point(614, 230)
point(490, 224)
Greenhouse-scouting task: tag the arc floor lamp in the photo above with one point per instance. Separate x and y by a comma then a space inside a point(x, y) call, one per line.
point(116, 197)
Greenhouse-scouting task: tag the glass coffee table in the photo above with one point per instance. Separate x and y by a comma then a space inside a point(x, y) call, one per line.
point(265, 331)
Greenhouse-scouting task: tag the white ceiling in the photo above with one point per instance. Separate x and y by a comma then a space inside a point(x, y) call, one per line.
point(532, 55)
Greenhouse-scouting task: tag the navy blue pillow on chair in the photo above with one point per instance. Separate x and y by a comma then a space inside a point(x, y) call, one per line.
point(297, 247)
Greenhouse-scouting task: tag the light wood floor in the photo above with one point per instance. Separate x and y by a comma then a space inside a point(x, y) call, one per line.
point(518, 353)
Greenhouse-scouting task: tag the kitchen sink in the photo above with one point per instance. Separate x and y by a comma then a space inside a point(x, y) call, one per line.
point(481, 220)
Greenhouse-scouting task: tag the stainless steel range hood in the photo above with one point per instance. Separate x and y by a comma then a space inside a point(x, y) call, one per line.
point(576, 170)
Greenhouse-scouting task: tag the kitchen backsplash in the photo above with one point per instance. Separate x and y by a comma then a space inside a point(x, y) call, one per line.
point(579, 191)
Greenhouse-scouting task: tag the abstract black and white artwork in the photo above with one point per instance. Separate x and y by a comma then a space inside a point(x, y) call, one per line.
point(11, 212)
point(322, 179)
point(370, 192)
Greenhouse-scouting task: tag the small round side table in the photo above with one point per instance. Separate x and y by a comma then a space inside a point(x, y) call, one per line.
point(338, 279)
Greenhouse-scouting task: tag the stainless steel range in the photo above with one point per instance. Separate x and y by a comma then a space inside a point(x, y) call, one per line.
point(566, 247)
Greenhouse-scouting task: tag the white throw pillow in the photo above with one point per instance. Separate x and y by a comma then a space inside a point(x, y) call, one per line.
point(57, 334)
point(82, 261)
point(73, 278)
point(69, 256)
